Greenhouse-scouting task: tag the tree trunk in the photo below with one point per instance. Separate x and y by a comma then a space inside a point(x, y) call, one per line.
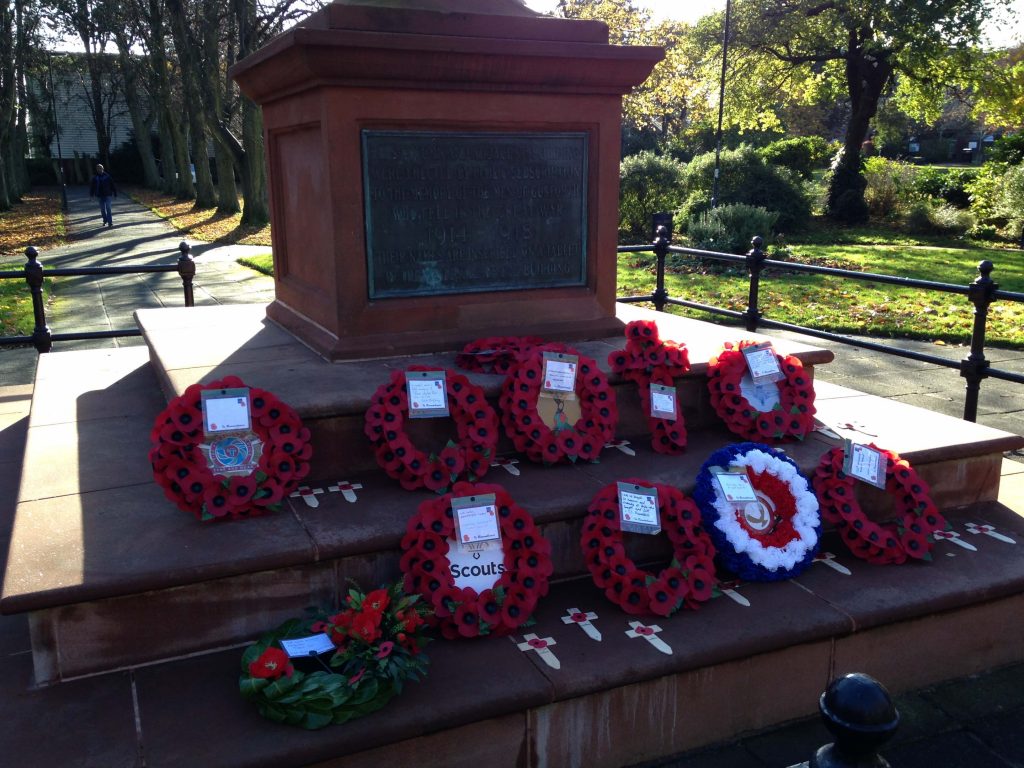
point(255, 212)
point(184, 186)
point(227, 190)
point(5, 197)
point(206, 193)
point(168, 183)
point(143, 141)
point(866, 79)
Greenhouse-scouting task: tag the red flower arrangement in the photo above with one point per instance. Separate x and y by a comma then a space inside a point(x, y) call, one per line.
point(688, 581)
point(470, 457)
point(378, 639)
point(792, 416)
point(180, 467)
point(648, 360)
point(583, 440)
point(495, 354)
point(910, 536)
point(499, 610)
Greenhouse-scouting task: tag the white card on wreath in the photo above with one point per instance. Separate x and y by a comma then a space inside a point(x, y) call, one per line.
point(225, 410)
point(427, 393)
point(638, 509)
point(864, 463)
point(762, 362)
point(736, 486)
point(663, 402)
point(559, 374)
point(306, 646)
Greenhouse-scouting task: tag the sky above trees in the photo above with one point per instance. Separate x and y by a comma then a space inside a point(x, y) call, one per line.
point(1001, 34)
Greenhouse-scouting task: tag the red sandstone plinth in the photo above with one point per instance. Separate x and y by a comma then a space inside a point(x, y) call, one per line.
point(433, 69)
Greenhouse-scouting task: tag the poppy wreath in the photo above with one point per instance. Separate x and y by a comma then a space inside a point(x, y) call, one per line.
point(180, 468)
point(378, 639)
point(772, 539)
point(469, 457)
point(689, 579)
point(495, 354)
point(917, 517)
point(585, 439)
point(464, 612)
point(648, 360)
point(793, 416)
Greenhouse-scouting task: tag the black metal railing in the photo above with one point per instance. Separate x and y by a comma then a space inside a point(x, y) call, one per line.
point(981, 292)
point(34, 274)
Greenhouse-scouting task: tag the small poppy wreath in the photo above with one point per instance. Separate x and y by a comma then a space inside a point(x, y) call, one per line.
point(917, 517)
point(689, 579)
point(495, 354)
point(792, 416)
point(180, 468)
point(772, 539)
point(507, 605)
point(648, 360)
point(585, 439)
point(469, 457)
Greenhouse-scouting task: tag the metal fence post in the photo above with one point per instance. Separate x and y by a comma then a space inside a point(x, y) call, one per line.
point(974, 367)
point(662, 223)
point(859, 712)
point(755, 260)
point(41, 337)
point(187, 270)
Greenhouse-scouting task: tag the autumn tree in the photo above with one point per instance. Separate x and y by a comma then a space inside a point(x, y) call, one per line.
point(862, 46)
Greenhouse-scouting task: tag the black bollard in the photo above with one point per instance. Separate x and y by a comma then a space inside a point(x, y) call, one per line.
point(859, 712)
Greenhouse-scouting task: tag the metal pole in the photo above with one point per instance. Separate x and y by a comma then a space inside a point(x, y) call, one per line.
point(56, 131)
point(721, 104)
point(755, 261)
point(187, 270)
point(974, 367)
point(34, 277)
point(662, 239)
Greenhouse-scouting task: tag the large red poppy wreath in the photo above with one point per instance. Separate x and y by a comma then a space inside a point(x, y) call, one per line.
point(180, 468)
point(469, 457)
point(791, 416)
point(689, 579)
point(530, 435)
point(465, 612)
point(917, 517)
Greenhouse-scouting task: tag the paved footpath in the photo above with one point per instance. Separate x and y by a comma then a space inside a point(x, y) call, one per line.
point(138, 237)
point(975, 722)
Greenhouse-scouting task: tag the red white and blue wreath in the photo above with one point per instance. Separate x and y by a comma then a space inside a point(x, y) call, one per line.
point(772, 539)
point(523, 572)
point(686, 582)
point(281, 448)
point(467, 457)
point(776, 411)
point(524, 426)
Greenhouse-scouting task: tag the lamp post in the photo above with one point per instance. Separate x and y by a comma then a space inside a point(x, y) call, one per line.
point(721, 104)
point(56, 131)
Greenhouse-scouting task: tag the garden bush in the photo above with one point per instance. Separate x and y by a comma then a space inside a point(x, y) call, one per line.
point(985, 191)
point(745, 178)
point(889, 183)
point(730, 228)
point(947, 184)
point(648, 183)
point(1012, 204)
point(801, 154)
point(927, 219)
point(1008, 149)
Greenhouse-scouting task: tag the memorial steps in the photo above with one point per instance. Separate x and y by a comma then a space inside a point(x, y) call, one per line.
point(113, 578)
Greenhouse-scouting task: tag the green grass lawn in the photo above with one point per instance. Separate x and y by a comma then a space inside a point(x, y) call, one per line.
point(849, 306)
point(16, 317)
point(261, 262)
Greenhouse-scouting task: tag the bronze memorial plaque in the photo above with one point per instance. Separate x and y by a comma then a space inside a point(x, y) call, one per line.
point(458, 212)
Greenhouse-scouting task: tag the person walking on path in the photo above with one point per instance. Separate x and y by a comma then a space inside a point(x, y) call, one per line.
point(103, 187)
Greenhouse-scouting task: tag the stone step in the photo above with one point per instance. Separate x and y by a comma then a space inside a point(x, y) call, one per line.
point(619, 701)
point(96, 547)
